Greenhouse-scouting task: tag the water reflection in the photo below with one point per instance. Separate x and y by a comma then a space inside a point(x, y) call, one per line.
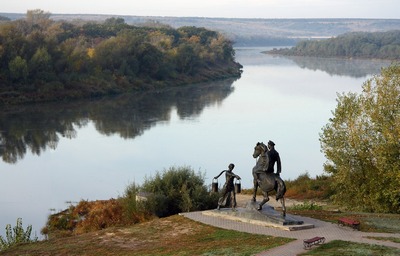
point(356, 68)
point(39, 127)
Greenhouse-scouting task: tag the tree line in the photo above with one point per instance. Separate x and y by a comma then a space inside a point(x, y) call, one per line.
point(378, 45)
point(43, 59)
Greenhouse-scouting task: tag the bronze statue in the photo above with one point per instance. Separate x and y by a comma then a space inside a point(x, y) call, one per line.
point(273, 157)
point(228, 188)
point(267, 181)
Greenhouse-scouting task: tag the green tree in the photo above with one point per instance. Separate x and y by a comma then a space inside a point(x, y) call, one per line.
point(18, 69)
point(362, 145)
point(186, 59)
point(41, 64)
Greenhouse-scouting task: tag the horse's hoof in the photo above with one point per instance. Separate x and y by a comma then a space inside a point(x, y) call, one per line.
point(259, 208)
point(253, 199)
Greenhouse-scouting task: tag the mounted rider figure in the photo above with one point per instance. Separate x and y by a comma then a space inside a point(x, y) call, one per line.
point(273, 157)
point(265, 166)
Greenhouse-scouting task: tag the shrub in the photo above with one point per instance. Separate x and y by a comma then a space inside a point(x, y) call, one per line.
point(133, 210)
point(305, 187)
point(16, 236)
point(177, 190)
point(306, 206)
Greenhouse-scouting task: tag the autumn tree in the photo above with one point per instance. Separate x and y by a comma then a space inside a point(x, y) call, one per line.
point(45, 59)
point(362, 145)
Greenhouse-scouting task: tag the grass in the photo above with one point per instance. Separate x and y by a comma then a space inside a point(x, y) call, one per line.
point(175, 235)
point(344, 248)
point(370, 222)
point(391, 239)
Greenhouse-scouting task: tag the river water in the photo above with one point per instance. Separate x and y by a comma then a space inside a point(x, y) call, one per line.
point(58, 153)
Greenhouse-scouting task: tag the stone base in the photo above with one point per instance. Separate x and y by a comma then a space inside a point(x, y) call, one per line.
point(266, 217)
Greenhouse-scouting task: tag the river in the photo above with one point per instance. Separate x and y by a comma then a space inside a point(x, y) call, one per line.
point(55, 154)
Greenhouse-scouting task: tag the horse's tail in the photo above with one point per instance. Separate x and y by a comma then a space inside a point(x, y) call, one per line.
point(280, 187)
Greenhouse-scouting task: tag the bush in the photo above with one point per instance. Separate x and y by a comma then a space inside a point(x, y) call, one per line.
point(305, 187)
point(16, 236)
point(133, 209)
point(177, 190)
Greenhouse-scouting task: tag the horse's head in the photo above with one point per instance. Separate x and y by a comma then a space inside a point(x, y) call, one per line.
point(259, 149)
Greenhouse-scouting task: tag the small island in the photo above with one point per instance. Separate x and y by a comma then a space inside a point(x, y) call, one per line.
point(47, 60)
point(365, 45)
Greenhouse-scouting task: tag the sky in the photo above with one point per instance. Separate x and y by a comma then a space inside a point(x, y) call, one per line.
point(381, 9)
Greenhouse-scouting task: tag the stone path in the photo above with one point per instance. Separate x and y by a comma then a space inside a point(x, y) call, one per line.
point(328, 230)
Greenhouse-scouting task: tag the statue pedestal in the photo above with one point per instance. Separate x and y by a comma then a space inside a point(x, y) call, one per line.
point(266, 217)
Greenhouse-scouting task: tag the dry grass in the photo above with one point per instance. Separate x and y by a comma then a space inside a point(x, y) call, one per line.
point(175, 235)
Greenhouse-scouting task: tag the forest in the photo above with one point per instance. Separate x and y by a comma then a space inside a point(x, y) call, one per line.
point(44, 60)
point(369, 45)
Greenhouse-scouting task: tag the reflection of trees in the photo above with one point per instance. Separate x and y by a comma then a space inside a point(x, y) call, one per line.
point(34, 128)
point(343, 67)
point(37, 128)
point(130, 115)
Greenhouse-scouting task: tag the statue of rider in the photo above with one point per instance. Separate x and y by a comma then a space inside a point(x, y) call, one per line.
point(273, 157)
point(266, 165)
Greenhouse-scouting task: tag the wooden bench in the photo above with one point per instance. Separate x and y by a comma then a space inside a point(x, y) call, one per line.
point(307, 243)
point(355, 224)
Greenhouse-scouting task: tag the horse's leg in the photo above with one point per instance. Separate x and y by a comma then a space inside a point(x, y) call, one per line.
point(255, 185)
point(266, 199)
point(281, 188)
point(282, 199)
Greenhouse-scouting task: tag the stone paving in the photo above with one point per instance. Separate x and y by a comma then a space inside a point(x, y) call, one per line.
point(328, 230)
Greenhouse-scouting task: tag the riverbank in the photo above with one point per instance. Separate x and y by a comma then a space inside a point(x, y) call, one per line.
point(89, 90)
point(193, 233)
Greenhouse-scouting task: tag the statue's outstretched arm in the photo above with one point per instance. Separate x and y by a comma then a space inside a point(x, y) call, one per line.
point(216, 177)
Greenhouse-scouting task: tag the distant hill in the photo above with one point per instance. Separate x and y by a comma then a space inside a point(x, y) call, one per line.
point(253, 32)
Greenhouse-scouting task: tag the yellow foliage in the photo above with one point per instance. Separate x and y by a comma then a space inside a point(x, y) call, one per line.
point(160, 40)
point(90, 52)
point(194, 39)
point(98, 215)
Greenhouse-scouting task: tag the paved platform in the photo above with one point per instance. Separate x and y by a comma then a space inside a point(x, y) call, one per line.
point(328, 230)
point(267, 217)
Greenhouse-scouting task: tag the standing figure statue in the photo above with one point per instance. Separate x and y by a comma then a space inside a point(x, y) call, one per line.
point(229, 187)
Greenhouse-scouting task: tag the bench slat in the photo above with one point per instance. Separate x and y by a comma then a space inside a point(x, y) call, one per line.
point(314, 239)
point(346, 221)
point(307, 243)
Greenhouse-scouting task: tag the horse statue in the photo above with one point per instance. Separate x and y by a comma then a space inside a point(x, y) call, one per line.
point(266, 181)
